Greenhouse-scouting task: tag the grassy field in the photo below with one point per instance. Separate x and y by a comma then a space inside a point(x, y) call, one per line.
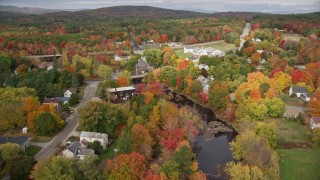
point(73, 138)
point(32, 150)
point(41, 139)
point(293, 37)
point(99, 88)
point(222, 46)
point(298, 164)
point(289, 131)
point(292, 101)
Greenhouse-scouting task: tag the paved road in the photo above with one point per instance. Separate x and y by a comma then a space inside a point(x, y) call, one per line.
point(51, 147)
point(245, 32)
point(297, 108)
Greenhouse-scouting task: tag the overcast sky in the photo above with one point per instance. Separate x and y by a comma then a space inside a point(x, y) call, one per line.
point(272, 6)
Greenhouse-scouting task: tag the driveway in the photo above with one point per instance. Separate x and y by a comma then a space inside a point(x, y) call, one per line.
point(245, 32)
point(51, 147)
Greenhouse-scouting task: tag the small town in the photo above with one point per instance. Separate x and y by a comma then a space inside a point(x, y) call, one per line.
point(131, 91)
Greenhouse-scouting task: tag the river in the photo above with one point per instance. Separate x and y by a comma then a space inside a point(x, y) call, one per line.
point(209, 153)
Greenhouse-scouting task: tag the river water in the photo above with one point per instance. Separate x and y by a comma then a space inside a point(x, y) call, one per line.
point(214, 152)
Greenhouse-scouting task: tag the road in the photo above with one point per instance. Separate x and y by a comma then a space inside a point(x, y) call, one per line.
point(245, 32)
point(297, 108)
point(51, 147)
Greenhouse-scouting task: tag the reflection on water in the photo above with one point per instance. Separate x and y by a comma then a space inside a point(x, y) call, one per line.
point(211, 153)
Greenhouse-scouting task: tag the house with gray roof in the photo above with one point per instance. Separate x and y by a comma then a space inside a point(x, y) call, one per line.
point(22, 141)
point(297, 91)
point(77, 150)
point(141, 67)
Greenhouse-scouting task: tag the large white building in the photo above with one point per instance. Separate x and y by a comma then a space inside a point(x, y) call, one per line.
point(203, 51)
point(90, 137)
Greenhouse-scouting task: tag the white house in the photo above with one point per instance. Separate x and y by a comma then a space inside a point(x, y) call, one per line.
point(77, 150)
point(69, 92)
point(305, 97)
point(89, 137)
point(297, 90)
point(315, 122)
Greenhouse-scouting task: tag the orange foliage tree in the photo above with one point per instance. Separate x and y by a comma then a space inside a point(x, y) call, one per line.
point(314, 104)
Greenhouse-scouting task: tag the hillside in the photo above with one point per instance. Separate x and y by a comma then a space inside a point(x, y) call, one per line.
point(26, 10)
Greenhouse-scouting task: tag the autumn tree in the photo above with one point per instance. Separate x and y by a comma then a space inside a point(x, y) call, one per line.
point(104, 71)
point(127, 166)
point(313, 106)
point(276, 107)
point(141, 140)
point(239, 171)
point(100, 117)
point(283, 80)
point(218, 95)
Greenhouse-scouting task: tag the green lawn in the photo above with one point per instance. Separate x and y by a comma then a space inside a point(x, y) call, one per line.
point(293, 37)
point(73, 138)
point(99, 88)
point(32, 150)
point(222, 46)
point(298, 164)
point(291, 101)
point(289, 131)
point(41, 139)
point(109, 152)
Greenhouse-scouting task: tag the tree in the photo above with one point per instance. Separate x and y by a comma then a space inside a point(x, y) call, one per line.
point(184, 157)
point(17, 164)
point(154, 57)
point(96, 146)
point(276, 107)
point(101, 117)
point(239, 171)
point(267, 132)
point(218, 94)
point(74, 99)
point(53, 168)
point(45, 124)
point(124, 143)
point(88, 169)
point(316, 138)
point(257, 111)
point(141, 140)
point(9, 151)
point(127, 166)
point(12, 116)
point(283, 80)
point(313, 106)
point(5, 66)
point(104, 72)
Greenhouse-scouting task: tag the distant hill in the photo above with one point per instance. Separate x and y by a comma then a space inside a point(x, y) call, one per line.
point(142, 12)
point(26, 10)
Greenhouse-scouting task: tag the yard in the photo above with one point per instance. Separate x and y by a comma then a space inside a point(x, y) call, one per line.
point(32, 150)
point(291, 132)
point(41, 139)
point(291, 101)
point(293, 37)
point(299, 164)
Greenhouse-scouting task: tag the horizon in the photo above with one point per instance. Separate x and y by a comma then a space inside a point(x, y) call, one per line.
point(206, 6)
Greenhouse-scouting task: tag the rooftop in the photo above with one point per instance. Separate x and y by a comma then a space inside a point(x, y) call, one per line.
point(73, 147)
point(93, 135)
point(127, 88)
point(17, 140)
point(299, 89)
point(142, 63)
point(50, 100)
point(85, 152)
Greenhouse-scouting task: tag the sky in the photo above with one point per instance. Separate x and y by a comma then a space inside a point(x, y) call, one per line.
point(270, 6)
